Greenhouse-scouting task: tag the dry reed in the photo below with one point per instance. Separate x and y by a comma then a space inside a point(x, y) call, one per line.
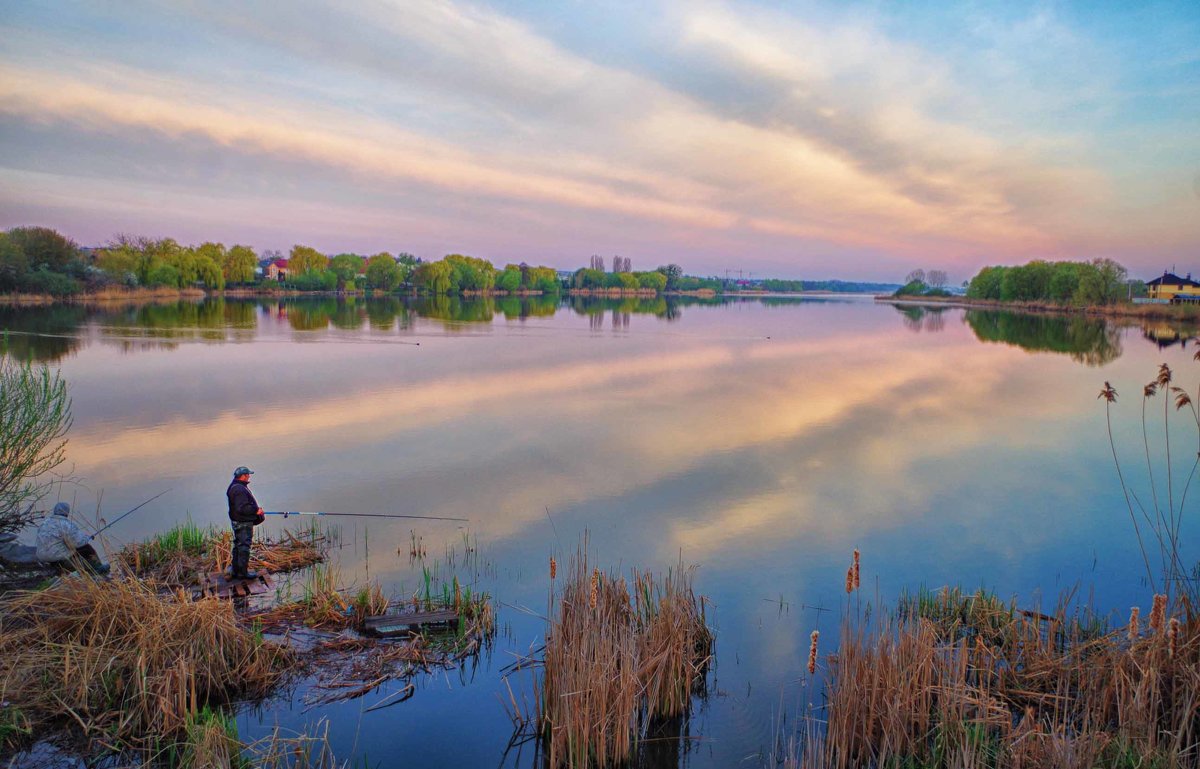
point(125, 663)
point(923, 689)
point(616, 662)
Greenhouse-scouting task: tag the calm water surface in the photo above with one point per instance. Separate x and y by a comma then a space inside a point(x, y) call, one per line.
point(762, 440)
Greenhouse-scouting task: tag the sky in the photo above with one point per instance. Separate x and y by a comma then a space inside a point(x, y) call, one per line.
point(786, 139)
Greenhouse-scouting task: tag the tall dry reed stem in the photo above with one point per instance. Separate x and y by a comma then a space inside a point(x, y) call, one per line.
point(1133, 623)
point(617, 661)
point(812, 652)
point(1160, 516)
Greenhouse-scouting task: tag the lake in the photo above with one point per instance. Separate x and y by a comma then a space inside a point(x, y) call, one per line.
point(761, 439)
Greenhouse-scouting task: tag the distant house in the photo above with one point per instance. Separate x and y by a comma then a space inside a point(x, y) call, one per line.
point(277, 270)
point(1172, 288)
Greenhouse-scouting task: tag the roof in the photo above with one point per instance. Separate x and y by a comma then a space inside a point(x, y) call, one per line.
point(281, 263)
point(1170, 278)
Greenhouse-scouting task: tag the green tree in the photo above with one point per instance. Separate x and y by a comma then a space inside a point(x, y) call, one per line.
point(162, 275)
point(13, 264)
point(628, 281)
point(43, 246)
point(588, 277)
point(544, 279)
point(214, 251)
point(34, 422)
point(239, 264)
point(986, 285)
point(407, 263)
point(469, 273)
point(435, 277)
point(509, 279)
point(1064, 281)
point(304, 260)
point(346, 267)
point(673, 273)
point(655, 280)
point(209, 272)
point(383, 272)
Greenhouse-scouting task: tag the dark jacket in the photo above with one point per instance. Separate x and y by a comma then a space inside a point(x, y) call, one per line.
point(243, 508)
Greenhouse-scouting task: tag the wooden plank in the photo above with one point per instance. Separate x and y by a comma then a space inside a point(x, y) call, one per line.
point(397, 624)
point(220, 586)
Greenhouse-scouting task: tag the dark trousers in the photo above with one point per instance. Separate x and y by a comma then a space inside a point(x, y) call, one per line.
point(243, 537)
point(85, 555)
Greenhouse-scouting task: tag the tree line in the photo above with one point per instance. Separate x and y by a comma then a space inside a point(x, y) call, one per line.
point(1097, 282)
point(41, 260)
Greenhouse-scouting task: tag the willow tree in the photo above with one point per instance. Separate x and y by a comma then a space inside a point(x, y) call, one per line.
point(35, 414)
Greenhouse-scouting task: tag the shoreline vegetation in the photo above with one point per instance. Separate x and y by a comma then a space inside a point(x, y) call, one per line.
point(1181, 312)
point(139, 689)
point(39, 265)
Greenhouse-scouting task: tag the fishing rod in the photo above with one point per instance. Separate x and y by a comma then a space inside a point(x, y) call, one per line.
point(130, 512)
point(285, 514)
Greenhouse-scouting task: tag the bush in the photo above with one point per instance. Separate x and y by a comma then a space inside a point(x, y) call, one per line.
point(322, 280)
point(913, 288)
point(43, 281)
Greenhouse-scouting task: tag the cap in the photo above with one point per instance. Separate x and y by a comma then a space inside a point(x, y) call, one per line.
point(243, 470)
point(63, 509)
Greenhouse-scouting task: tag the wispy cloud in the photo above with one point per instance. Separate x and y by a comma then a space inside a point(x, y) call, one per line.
point(796, 141)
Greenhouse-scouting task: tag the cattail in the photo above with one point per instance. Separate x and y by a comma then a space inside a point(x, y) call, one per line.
point(850, 579)
point(1158, 613)
point(553, 567)
point(1172, 637)
point(812, 652)
point(857, 580)
point(1133, 623)
point(595, 588)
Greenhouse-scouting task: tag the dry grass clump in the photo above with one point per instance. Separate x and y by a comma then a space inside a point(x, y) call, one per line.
point(128, 665)
point(618, 660)
point(1045, 691)
point(186, 553)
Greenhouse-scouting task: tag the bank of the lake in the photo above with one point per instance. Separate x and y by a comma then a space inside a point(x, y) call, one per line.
point(1179, 312)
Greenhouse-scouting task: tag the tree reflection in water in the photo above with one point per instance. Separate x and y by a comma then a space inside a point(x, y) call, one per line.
point(1091, 341)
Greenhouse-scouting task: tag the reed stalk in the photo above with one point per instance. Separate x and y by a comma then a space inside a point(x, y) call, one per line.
point(618, 660)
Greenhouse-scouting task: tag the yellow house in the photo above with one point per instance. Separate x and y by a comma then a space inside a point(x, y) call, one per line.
point(1173, 288)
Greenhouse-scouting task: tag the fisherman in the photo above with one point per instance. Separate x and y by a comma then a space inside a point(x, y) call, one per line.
point(61, 543)
point(244, 515)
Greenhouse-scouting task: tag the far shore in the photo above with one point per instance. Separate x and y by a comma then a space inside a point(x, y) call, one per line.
point(152, 295)
point(1179, 312)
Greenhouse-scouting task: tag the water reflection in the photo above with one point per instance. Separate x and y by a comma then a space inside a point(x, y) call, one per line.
point(1091, 341)
point(761, 441)
point(42, 334)
point(921, 318)
point(1164, 334)
point(50, 333)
